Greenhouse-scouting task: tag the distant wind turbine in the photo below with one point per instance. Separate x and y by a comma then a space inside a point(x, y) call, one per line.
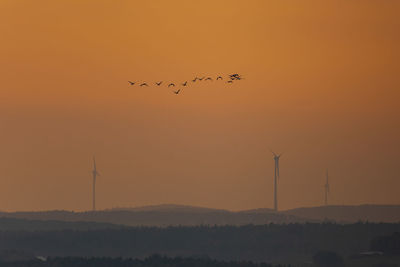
point(276, 176)
point(94, 173)
point(326, 188)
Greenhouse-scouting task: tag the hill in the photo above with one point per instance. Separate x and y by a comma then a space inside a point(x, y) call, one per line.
point(15, 224)
point(291, 243)
point(161, 215)
point(350, 214)
point(168, 208)
point(174, 215)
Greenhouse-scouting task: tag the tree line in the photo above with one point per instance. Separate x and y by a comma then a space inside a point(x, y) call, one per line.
point(267, 243)
point(152, 261)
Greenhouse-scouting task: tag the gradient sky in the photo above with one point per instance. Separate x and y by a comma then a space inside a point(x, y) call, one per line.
point(322, 86)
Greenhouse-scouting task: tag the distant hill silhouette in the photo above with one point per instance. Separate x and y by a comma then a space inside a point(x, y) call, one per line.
point(257, 211)
point(162, 215)
point(173, 215)
point(349, 214)
point(15, 224)
point(169, 208)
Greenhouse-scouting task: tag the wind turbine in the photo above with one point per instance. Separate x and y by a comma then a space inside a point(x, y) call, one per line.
point(94, 173)
point(326, 188)
point(276, 176)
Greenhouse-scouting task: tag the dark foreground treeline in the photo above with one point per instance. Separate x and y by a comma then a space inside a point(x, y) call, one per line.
point(264, 243)
point(156, 261)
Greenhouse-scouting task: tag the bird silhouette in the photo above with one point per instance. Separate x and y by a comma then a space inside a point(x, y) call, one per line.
point(159, 83)
point(177, 92)
point(184, 84)
point(208, 79)
point(235, 76)
point(171, 84)
point(144, 84)
point(219, 78)
point(132, 83)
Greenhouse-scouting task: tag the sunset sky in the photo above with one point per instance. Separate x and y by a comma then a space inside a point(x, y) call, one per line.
point(322, 85)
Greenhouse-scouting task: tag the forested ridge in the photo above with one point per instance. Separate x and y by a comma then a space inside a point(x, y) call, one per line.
point(155, 260)
point(269, 243)
point(176, 215)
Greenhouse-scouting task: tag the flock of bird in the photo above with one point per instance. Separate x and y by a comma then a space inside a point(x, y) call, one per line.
point(231, 78)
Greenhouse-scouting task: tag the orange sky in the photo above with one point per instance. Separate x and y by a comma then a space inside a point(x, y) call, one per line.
point(322, 85)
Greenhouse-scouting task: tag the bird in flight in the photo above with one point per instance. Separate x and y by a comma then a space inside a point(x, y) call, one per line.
point(219, 78)
point(208, 79)
point(184, 84)
point(159, 83)
point(144, 84)
point(132, 83)
point(235, 76)
point(177, 92)
point(171, 84)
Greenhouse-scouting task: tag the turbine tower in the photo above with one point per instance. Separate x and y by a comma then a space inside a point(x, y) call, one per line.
point(326, 188)
point(276, 176)
point(94, 173)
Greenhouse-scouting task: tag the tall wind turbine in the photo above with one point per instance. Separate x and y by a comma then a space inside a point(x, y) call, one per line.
point(94, 173)
point(326, 188)
point(276, 176)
